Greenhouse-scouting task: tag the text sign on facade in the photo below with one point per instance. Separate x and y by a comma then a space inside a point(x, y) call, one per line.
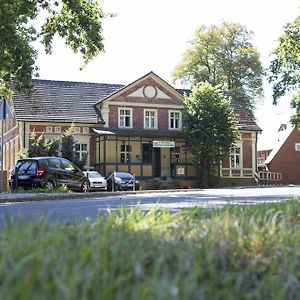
point(163, 144)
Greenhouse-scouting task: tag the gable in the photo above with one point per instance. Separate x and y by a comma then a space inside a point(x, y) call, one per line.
point(147, 90)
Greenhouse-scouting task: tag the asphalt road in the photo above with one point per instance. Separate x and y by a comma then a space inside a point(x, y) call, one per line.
point(87, 207)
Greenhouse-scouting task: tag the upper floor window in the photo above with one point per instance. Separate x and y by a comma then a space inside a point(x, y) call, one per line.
point(174, 120)
point(150, 119)
point(125, 117)
point(235, 157)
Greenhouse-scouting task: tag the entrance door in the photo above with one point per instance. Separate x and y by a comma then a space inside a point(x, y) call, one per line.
point(156, 162)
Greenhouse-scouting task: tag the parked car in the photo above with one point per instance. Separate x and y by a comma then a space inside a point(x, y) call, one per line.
point(48, 173)
point(97, 181)
point(122, 181)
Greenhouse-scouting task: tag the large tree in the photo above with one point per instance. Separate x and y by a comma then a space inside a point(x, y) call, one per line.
point(224, 55)
point(78, 22)
point(285, 68)
point(209, 127)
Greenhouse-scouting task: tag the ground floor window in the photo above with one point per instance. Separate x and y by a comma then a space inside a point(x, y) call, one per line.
point(235, 157)
point(125, 153)
point(81, 151)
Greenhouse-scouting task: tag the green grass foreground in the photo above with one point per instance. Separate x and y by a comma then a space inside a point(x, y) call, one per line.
point(238, 252)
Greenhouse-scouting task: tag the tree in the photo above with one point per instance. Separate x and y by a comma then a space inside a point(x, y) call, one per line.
point(224, 55)
point(67, 148)
point(285, 68)
point(209, 127)
point(79, 22)
point(39, 147)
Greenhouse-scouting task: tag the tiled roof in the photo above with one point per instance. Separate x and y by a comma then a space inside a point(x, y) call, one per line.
point(62, 101)
point(66, 101)
point(245, 120)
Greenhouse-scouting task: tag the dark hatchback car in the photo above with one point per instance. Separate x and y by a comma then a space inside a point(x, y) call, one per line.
point(121, 181)
point(48, 173)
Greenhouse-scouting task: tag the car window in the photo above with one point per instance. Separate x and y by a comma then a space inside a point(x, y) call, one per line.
point(93, 175)
point(66, 165)
point(123, 175)
point(26, 166)
point(55, 163)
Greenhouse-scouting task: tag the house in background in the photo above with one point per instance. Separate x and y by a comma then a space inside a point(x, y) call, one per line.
point(134, 128)
point(284, 157)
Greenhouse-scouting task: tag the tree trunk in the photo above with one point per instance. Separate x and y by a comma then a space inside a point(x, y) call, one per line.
point(204, 173)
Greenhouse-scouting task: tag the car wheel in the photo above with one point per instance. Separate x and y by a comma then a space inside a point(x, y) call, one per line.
point(49, 185)
point(85, 187)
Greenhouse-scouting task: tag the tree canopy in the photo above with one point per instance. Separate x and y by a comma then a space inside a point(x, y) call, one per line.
point(78, 22)
point(285, 68)
point(209, 127)
point(224, 55)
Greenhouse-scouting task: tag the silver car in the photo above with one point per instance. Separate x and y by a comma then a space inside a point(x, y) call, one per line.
point(97, 181)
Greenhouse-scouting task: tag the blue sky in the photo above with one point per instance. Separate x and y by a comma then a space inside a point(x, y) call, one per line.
point(152, 35)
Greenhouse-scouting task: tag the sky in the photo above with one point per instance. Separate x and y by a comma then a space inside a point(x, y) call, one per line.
point(152, 36)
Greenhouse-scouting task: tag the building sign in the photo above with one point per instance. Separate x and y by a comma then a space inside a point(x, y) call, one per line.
point(163, 144)
point(180, 171)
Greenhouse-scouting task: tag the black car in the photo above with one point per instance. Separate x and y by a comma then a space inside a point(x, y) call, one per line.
point(48, 173)
point(121, 181)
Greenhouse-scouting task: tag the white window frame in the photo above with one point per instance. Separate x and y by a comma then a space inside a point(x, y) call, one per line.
point(77, 129)
point(80, 151)
point(57, 129)
point(120, 109)
point(234, 154)
point(154, 118)
point(49, 129)
point(179, 120)
point(85, 130)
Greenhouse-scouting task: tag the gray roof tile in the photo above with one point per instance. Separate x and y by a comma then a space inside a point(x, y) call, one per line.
point(62, 101)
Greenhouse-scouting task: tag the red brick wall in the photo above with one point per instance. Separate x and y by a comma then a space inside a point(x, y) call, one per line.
point(138, 117)
point(287, 160)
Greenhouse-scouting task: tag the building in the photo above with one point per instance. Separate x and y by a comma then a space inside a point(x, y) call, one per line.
point(134, 128)
point(284, 156)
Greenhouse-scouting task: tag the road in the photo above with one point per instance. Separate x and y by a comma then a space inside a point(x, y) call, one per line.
point(78, 210)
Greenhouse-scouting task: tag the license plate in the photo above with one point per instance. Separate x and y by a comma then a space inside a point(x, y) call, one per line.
point(23, 176)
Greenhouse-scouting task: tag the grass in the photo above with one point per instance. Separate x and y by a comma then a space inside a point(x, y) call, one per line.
point(239, 252)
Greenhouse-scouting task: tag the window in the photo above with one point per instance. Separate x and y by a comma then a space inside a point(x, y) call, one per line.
point(57, 129)
point(81, 151)
point(68, 166)
point(125, 119)
point(48, 128)
point(147, 153)
point(77, 129)
point(174, 120)
point(85, 130)
point(235, 157)
point(297, 146)
point(150, 119)
point(125, 153)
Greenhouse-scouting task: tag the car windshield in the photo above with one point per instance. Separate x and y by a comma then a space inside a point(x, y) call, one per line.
point(123, 175)
point(93, 175)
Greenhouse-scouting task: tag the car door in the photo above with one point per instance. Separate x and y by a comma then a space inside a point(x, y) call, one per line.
point(54, 166)
point(72, 174)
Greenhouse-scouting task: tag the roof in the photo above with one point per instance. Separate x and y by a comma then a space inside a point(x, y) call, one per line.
point(284, 134)
point(67, 101)
point(138, 132)
point(246, 121)
point(62, 101)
